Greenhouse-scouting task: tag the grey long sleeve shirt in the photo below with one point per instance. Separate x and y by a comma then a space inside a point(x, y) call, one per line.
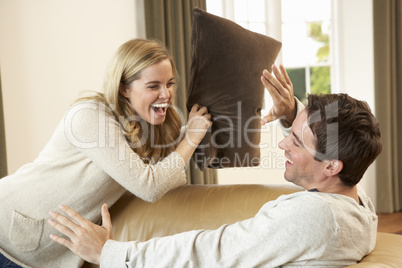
point(308, 229)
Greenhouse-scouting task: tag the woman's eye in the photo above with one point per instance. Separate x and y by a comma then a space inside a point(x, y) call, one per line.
point(152, 87)
point(170, 84)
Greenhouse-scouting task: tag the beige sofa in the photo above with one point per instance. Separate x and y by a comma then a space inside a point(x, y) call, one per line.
point(192, 207)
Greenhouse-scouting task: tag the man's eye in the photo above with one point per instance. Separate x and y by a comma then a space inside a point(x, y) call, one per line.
point(295, 142)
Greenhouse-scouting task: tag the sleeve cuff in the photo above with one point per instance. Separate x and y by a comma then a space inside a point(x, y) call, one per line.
point(287, 129)
point(114, 254)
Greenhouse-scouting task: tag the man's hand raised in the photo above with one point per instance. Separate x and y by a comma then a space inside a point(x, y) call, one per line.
point(281, 90)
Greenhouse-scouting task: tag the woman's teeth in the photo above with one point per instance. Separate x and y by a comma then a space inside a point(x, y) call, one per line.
point(160, 105)
point(160, 108)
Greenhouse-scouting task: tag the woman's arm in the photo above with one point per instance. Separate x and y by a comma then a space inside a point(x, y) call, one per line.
point(93, 130)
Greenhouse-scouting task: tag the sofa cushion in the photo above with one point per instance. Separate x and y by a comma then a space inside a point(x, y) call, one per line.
point(387, 252)
point(227, 63)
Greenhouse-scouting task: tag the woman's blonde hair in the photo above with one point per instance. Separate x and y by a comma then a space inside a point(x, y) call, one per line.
point(125, 67)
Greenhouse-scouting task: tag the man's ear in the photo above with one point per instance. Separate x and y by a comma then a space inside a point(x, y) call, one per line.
point(333, 167)
point(123, 91)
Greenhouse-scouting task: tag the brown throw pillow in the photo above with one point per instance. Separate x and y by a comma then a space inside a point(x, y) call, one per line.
point(227, 63)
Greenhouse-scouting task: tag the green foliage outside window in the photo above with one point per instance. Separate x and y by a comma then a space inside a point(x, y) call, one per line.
point(320, 80)
point(316, 33)
point(298, 78)
point(320, 77)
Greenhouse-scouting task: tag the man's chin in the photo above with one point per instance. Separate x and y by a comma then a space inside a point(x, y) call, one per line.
point(289, 178)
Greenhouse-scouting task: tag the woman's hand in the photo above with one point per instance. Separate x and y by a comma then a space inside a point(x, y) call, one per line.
point(199, 120)
point(281, 90)
point(86, 238)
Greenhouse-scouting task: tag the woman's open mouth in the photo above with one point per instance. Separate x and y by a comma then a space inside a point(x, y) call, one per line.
point(160, 108)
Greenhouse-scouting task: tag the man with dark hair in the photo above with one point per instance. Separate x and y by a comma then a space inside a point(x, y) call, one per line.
point(345, 129)
point(333, 223)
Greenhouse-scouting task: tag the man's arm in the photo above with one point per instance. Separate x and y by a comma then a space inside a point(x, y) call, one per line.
point(286, 128)
point(273, 237)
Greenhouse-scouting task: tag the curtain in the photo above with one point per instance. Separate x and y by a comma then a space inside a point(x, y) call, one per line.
point(388, 96)
point(3, 156)
point(170, 21)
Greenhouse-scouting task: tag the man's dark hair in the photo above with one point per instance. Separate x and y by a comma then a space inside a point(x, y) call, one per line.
point(345, 130)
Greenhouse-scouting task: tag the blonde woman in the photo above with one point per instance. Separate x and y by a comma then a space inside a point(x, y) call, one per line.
point(127, 138)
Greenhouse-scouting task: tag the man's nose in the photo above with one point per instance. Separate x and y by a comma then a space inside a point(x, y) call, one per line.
point(283, 143)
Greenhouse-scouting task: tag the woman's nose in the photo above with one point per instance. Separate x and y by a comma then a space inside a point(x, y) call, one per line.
point(164, 93)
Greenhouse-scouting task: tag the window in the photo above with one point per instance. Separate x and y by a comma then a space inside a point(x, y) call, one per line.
point(306, 31)
point(303, 26)
point(350, 64)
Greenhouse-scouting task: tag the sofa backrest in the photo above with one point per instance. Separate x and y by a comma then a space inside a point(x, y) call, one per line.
point(190, 207)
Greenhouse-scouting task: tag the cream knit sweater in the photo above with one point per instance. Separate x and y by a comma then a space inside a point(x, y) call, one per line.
point(86, 163)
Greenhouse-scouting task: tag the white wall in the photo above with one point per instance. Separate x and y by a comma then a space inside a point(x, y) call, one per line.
point(50, 50)
point(355, 71)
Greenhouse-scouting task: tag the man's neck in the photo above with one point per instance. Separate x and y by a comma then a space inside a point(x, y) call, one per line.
point(351, 192)
point(341, 189)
